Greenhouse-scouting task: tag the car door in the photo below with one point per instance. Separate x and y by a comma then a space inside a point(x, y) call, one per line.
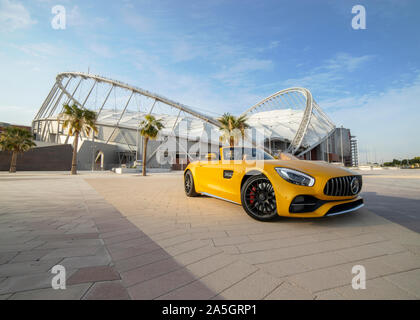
point(230, 172)
point(206, 176)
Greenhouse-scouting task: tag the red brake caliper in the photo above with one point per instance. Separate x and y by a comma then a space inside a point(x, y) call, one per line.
point(252, 195)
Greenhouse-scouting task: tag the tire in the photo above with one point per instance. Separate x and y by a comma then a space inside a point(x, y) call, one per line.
point(258, 198)
point(189, 186)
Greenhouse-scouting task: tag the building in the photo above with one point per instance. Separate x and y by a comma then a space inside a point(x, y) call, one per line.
point(289, 120)
point(5, 125)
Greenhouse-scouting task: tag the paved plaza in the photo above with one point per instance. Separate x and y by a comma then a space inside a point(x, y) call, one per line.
point(134, 237)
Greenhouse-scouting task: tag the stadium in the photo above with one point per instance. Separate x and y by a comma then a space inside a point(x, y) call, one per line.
point(288, 121)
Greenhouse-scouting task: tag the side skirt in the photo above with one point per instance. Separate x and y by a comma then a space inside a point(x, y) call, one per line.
point(213, 196)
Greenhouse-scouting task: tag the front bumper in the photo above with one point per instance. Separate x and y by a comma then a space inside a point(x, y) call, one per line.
point(322, 205)
point(325, 208)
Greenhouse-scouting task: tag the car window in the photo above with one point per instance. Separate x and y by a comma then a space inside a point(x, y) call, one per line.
point(245, 154)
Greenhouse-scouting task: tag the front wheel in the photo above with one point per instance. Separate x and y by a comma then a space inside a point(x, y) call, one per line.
point(189, 185)
point(258, 198)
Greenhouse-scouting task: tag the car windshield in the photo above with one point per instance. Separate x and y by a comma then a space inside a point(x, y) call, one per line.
point(245, 154)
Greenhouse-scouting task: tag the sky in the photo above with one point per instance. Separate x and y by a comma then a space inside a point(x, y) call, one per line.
point(224, 56)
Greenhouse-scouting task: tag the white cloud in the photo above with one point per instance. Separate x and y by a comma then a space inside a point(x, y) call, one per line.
point(14, 16)
point(101, 50)
point(329, 76)
point(236, 73)
point(346, 62)
point(77, 18)
point(136, 21)
point(386, 122)
point(185, 51)
point(42, 50)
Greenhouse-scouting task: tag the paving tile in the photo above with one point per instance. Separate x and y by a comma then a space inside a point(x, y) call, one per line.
point(141, 260)
point(5, 296)
point(8, 256)
point(378, 289)
point(71, 244)
point(124, 237)
point(192, 256)
point(157, 287)
point(271, 244)
point(32, 255)
point(26, 282)
point(71, 252)
point(149, 271)
point(371, 250)
point(227, 276)
point(187, 246)
point(137, 242)
point(20, 246)
point(322, 260)
point(288, 291)
point(74, 292)
point(115, 233)
point(93, 274)
point(408, 281)
point(124, 253)
point(66, 236)
point(110, 290)
point(284, 268)
point(210, 264)
point(88, 261)
point(230, 240)
point(329, 295)
point(23, 268)
point(254, 287)
point(322, 279)
point(193, 291)
point(401, 261)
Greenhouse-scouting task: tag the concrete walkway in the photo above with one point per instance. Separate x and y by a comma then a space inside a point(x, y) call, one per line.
point(134, 237)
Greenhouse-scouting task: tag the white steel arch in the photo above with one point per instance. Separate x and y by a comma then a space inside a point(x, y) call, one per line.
point(114, 83)
point(296, 98)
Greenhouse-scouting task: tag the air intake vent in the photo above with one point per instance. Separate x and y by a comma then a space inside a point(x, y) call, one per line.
point(343, 186)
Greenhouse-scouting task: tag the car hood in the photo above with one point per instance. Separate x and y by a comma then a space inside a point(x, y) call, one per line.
point(311, 167)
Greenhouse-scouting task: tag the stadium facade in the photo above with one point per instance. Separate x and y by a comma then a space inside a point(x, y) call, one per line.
point(287, 121)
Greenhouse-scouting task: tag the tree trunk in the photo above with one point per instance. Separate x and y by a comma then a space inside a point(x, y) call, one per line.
point(232, 141)
point(143, 170)
point(74, 159)
point(13, 162)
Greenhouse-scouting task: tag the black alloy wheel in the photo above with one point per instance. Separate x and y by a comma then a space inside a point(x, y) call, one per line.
point(189, 185)
point(258, 198)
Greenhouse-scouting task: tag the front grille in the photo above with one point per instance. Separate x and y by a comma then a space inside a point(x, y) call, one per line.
point(341, 186)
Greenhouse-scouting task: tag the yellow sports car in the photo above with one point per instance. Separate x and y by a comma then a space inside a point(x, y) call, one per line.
point(268, 188)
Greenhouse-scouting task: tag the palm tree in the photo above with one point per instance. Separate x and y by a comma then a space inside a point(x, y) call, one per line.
point(77, 120)
point(232, 127)
point(16, 140)
point(149, 129)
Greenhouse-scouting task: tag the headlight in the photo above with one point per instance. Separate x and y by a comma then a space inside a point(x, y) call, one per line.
point(296, 177)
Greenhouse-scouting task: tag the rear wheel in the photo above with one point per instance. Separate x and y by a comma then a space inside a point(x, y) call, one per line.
point(189, 185)
point(258, 198)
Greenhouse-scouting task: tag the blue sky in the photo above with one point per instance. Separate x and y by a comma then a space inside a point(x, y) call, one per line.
point(227, 55)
